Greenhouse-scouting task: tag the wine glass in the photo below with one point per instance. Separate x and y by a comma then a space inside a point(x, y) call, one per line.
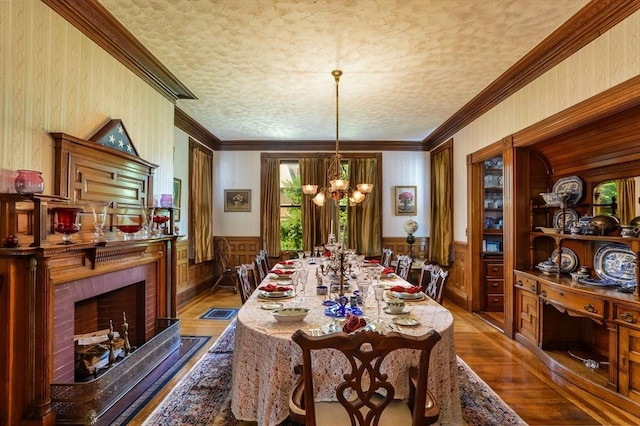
point(99, 213)
point(303, 275)
point(375, 274)
point(378, 291)
point(67, 222)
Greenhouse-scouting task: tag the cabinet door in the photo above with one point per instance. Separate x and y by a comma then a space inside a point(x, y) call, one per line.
point(629, 363)
point(527, 314)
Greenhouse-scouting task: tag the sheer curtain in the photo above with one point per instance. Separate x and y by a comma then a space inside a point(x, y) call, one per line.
point(441, 205)
point(364, 224)
point(271, 207)
point(201, 199)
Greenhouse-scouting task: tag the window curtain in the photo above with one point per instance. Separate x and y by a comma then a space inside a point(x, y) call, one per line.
point(441, 236)
point(310, 173)
point(271, 207)
point(626, 197)
point(201, 207)
point(364, 224)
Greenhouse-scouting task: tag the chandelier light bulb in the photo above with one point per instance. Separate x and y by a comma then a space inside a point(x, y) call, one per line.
point(365, 188)
point(309, 189)
point(319, 199)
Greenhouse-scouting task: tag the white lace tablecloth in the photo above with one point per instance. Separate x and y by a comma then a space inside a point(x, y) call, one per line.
point(265, 355)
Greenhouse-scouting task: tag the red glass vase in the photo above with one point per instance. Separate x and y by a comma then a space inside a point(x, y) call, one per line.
point(29, 182)
point(66, 222)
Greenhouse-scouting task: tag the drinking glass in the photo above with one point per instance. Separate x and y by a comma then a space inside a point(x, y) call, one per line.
point(99, 213)
point(364, 287)
point(67, 222)
point(376, 272)
point(303, 274)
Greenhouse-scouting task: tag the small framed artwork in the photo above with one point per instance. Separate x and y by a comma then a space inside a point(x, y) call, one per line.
point(177, 197)
point(405, 200)
point(237, 200)
point(493, 246)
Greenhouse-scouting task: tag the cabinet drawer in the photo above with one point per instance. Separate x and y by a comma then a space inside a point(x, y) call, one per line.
point(526, 283)
point(627, 315)
point(572, 301)
point(494, 270)
point(495, 302)
point(494, 286)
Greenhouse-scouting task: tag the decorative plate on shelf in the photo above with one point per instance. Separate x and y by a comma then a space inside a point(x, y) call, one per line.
point(489, 223)
point(598, 282)
point(615, 262)
point(569, 260)
point(570, 216)
point(572, 185)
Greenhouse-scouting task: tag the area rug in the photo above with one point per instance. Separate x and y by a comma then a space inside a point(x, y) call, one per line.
point(202, 397)
point(219, 314)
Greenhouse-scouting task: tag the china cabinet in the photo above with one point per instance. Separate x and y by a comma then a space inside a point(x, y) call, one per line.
point(492, 290)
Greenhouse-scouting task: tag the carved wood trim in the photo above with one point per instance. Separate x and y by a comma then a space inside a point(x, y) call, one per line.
point(187, 124)
point(585, 26)
point(95, 21)
point(316, 146)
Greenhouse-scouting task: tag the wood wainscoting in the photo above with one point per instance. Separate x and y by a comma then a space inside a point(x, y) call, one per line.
point(399, 246)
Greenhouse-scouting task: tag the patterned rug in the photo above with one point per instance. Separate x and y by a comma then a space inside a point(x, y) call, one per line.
point(219, 314)
point(201, 398)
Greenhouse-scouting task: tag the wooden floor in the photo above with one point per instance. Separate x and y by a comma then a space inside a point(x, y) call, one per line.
point(511, 370)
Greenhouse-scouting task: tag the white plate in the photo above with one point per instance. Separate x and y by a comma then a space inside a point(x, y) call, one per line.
point(271, 305)
point(569, 260)
point(408, 296)
point(406, 310)
point(571, 184)
point(408, 321)
point(274, 294)
point(615, 262)
point(290, 314)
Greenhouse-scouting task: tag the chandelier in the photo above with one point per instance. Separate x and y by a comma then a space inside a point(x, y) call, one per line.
point(338, 181)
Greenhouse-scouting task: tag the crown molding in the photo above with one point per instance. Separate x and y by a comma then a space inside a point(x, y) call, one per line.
point(95, 21)
point(589, 23)
point(313, 145)
point(194, 129)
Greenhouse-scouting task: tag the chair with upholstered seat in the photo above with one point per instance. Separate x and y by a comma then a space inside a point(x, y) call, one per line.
point(403, 266)
point(387, 254)
point(437, 281)
point(245, 285)
point(365, 397)
point(224, 265)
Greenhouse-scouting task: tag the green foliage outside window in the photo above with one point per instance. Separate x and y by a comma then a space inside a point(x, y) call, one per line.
point(291, 222)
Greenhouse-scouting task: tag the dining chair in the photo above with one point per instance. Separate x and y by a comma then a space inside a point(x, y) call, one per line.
point(262, 271)
point(434, 285)
point(246, 288)
point(365, 397)
point(403, 266)
point(265, 259)
point(224, 265)
point(387, 254)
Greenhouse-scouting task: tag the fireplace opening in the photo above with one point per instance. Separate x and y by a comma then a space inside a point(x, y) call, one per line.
point(114, 314)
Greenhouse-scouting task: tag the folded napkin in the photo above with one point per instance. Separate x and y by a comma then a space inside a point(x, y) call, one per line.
point(372, 261)
point(402, 289)
point(281, 272)
point(353, 323)
point(273, 287)
point(287, 262)
point(388, 271)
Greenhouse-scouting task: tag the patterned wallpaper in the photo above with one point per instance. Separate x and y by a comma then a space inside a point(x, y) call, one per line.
point(54, 79)
point(609, 60)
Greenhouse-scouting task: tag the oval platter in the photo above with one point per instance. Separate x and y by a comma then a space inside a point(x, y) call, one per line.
point(571, 184)
point(571, 216)
point(615, 262)
point(569, 260)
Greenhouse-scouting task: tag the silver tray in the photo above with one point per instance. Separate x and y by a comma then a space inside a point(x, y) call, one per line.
point(572, 185)
point(615, 262)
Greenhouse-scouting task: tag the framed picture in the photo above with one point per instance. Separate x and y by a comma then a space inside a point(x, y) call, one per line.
point(405, 200)
point(177, 198)
point(493, 246)
point(237, 200)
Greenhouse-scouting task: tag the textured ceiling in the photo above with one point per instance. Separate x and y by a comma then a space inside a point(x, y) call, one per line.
point(261, 69)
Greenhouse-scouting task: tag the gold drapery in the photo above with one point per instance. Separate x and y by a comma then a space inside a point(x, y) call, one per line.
point(441, 206)
point(271, 207)
point(626, 199)
point(330, 211)
point(201, 203)
point(364, 224)
point(311, 235)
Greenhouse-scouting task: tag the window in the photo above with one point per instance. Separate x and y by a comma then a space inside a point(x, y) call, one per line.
point(290, 211)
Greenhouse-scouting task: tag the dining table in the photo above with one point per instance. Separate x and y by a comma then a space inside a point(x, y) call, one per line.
point(264, 354)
